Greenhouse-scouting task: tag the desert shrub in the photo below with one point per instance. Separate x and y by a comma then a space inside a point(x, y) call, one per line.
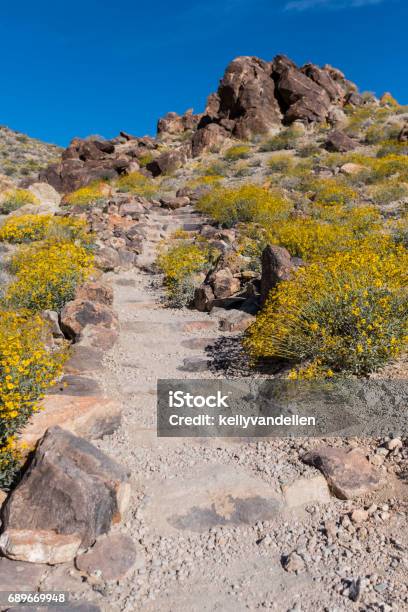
point(242, 169)
point(27, 369)
point(349, 315)
point(15, 198)
point(331, 191)
point(30, 228)
point(180, 261)
point(287, 139)
point(47, 274)
point(204, 181)
point(309, 150)
point(217, 168)
point(309, 239)
point(375, 133)
point(389, 165)
point(92, 194)
point(26, 228)
point(228, 205)
point(388, 191)
point(281, 163)
point(237, 152)
point(392, 147)
point(145, 159)
point(136, 183)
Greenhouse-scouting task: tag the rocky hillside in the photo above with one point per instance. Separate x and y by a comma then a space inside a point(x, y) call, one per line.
point(22, 157)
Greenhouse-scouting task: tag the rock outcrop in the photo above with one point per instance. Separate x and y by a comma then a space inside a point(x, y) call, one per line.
point(254, 97)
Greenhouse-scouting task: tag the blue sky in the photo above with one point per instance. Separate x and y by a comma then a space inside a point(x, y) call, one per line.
point(97, 67)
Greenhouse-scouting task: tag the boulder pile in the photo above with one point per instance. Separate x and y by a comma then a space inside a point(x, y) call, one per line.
point(254, 97)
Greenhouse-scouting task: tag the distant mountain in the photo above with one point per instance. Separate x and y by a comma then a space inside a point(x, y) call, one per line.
point(22, 157)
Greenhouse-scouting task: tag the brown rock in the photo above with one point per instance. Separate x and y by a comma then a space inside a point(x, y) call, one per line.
point(247, 97)
point(107, 259)
point(174, 203)
point(359, 516)
point(72, 489)
point(111, 558)
point(403, 135)
point(173, 124)
point(203, 298)
point(294, 563)
point(208, 138)
point(95, 291)
point(277, 266)
point(235, 321)
point(348, 472)
point(338, 141)
point(19, 576)
point(90, 417)
point(169, 161)
point(224, 284)
point(82, 313)
point(301, 98)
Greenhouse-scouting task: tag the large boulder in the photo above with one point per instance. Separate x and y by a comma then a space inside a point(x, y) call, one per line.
point(338, 141)
point(277, 265)
point(70, 494)
point(208, 138)
point(169, 161)
point(247, 97)
point(301, 98)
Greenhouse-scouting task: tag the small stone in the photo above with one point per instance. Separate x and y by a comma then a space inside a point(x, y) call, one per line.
point(194, 364)
point(394, 444)
point(235, 321)
point(293, 563)
point(192, 326)
point(112, 557)
point(359, 516)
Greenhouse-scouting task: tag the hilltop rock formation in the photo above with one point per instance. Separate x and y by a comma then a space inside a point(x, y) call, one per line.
point(254, 97)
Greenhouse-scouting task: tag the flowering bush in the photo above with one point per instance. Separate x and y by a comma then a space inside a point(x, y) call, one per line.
point(237, 152)
point(94, 194)
point(180, 261)
point(47, 274)
point(30, 228)
point(15, 198)
point(281, 163)
point(27, 369)
point(25, 228)
point(348, 315)
point(136, 183)
point(287, 139)
point(328, 191)
point(229, 206)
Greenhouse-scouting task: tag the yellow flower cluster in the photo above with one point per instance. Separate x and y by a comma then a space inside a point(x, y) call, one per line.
point(248, 203)
point(27, 369)
point(237, 152)
point(30, 228)
point(93, 194)
point(47, 274)
point(180, 260)
point(15, 198)
point(136, 183)
point(329, 191)
point(348, 314)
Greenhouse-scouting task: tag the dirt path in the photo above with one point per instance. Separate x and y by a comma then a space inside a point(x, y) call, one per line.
point(212, 518)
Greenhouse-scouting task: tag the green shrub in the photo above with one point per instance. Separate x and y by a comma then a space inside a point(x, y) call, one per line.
point(287, 139)
point(16, 198)
point(281, 163)
point(136, 183)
